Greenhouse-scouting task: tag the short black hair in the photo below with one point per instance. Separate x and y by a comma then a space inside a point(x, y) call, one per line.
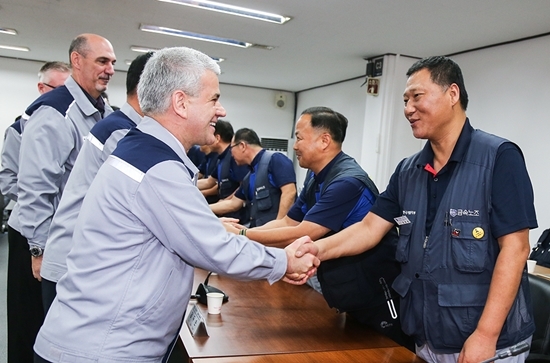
point(248, 136)
point(444, 72)
point(134, 72)
point(225, 130)
point(327, 119)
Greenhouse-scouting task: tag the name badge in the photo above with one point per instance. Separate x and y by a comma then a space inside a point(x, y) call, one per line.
point(195, 322)
point(402, 220)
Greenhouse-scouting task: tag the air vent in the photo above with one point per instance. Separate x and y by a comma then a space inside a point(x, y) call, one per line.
point(275, 144)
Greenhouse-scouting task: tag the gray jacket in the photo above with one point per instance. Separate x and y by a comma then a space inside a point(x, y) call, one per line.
point(10, 168)
point(98, 145)
point(143, 228)
point(57, 123)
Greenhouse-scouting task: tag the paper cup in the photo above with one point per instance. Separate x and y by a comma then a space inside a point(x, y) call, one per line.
point(214, 302)
point(531, 266)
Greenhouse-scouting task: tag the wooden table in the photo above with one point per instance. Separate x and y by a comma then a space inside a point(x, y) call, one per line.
point(542, 271)
point(264, 320)
point(378, 355)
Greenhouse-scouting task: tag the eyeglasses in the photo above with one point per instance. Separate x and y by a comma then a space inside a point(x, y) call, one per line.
point(49, 85)
point(237, 144)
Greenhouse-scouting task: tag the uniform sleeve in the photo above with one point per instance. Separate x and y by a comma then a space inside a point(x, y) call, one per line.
point(10, 164)
point(387, 204)
point(298, 210)
point(512, 193)
point(335, 204)
point(239, 193)
point(46, 144)
point(193, 232)
point(281, 170)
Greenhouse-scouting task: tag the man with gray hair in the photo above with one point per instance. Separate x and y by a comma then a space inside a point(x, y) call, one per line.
point(24, 298)
point(136, 243)
point(52, 75)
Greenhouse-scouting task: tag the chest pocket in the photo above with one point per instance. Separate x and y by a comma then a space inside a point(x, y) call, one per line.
point(469, 245)
point(263, 201)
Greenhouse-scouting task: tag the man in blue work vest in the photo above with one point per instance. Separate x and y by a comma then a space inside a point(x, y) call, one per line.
point(337, 194)
point(268, 190)
point(464, 207)
point(227, 176)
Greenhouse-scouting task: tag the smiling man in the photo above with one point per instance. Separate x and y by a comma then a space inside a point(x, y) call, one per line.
point(144, 226)
point(464, 207)
point(54, 127)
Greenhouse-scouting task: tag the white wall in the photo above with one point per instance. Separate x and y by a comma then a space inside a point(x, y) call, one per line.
point(387, 135)
point(255, 108)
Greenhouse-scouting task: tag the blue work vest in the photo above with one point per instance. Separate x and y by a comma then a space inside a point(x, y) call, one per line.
point(354, 283)
point(445, 277)
point(264, 205)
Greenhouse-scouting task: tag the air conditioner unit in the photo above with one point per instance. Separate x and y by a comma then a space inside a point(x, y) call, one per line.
point(281, 145)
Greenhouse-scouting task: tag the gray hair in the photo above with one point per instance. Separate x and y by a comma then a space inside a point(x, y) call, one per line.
point(168, 70)
point(52, 66)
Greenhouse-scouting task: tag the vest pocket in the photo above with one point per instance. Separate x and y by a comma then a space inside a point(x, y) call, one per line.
point(263, 201)
point(403, 243)
point(460, 307)
point(469, 253)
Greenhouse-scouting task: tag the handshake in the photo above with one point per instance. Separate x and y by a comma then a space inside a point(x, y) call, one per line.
point(302, 261)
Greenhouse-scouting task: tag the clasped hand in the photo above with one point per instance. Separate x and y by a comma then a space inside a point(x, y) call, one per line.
point(299, 269)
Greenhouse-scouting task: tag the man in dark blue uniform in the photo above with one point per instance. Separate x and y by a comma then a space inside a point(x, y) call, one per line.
point(227, 176)
point(337, 194)
point(269, 189)
point(464, 206)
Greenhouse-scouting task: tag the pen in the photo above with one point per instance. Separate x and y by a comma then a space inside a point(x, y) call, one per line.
point(389, 299)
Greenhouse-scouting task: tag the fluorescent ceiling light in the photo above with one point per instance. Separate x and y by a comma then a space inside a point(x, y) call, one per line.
point(139, 49)
point(232, 10)
point(8, 31)
point(195, 36)
point(13, 47)
point(136, 48)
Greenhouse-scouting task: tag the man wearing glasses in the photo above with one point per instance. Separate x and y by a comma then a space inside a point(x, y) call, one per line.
point(24, 300)
point(268, 190)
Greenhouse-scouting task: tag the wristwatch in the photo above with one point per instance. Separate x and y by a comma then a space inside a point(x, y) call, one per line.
point(36, 251)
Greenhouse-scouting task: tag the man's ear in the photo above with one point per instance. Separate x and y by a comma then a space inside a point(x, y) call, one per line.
point(76, 60)
point(180, 103)
point(326, 139)
point(41, 88)
point(454, 93)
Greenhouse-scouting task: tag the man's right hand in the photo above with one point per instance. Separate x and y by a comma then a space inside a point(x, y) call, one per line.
point(302, 268)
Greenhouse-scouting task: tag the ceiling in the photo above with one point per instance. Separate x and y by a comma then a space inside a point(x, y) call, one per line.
point(325, 42)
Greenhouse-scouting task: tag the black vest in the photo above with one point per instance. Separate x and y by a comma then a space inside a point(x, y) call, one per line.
point(353, 283)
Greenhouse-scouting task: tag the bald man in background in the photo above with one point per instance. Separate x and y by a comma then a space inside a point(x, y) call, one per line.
point(60, 120)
